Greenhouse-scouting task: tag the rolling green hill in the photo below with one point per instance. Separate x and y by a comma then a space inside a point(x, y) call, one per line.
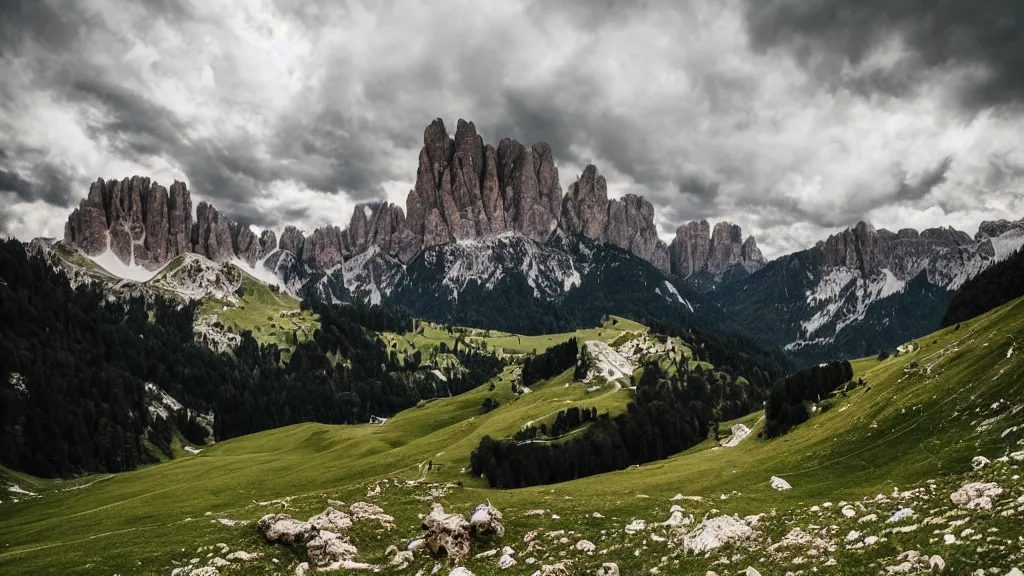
point(905, 440)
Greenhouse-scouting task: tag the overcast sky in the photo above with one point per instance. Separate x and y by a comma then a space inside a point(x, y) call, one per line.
point(793, 119)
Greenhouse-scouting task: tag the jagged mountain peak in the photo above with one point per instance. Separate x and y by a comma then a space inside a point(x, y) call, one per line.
point(697, 249)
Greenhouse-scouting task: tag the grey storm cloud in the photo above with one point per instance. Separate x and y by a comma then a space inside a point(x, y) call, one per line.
point(926, 182)
point(292, 111)
point(986, 39)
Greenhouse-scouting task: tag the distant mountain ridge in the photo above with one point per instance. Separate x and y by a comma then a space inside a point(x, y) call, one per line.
point(862, 290)
point(465, 190)
point(487, 229)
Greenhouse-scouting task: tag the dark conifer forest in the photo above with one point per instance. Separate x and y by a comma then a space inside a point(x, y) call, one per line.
point(74, 364)
point(997, 285)
point(668, 414)
point(551, 362)
point(789, 397)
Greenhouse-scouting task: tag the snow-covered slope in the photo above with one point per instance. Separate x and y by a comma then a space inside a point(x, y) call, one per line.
point(855, 295)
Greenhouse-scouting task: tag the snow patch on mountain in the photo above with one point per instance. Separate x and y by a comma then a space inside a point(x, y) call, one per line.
point(161, 404)
point(259, 271)
point(371, 275)
point(842, 297)
point(671, 293)
point(1007, 244)
point(109, 262)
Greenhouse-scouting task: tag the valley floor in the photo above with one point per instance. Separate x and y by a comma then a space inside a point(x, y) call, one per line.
point(905, 441)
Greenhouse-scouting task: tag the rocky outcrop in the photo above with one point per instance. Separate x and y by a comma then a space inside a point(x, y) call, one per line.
point(87, 225)
point(292, 240)
point(248, 247)
point(135, 219)
point(467, 190)
point(323, 250)
point(696, 249)
point(585, 207)
point(903, 253)
point(631, 227)
point(211, 234)
point(627, 222)
point(992, 229)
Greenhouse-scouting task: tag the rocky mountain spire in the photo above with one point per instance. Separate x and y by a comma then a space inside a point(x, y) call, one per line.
point(464, 189)
point(697, 248)
point(627, 222)
point(135, 218)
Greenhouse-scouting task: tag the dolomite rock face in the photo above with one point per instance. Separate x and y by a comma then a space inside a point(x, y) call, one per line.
point(292, 240)
point(248, 247)
point(868, 251)
point(211, 234)
point(466, 189)
point(696, 248)
point(627, 222)
point(135, 218)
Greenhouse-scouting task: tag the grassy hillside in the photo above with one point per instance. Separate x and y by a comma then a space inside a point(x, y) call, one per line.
point(273, 317)
point(917, 424)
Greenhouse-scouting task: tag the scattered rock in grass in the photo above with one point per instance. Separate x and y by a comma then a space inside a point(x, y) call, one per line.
point(331, 520)
point(302, 569)
point(559, 569)
point(585, 546)
point(976, 495)
point(676, 519)
point(751, 571)
point(979, 462)
point(486, 521)
point(635, 526)
point(712, 533)
point(608, 569)
point(936, 564)
point(739, 433)
point(486, 554)
point(868, 518)
point(329, 550)
point(402, 560)
point(446, 532)
point(242, 556)
point(460, 571)
point(506, 561)
point(901, 515)
point(285, 529)
point(780, 484)
point(367, 511)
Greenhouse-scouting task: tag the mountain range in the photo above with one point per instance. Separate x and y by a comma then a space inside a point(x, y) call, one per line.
point(488, 229)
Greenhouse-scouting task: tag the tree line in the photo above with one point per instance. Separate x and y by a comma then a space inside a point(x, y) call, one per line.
point(670, 412)
point(74, 365)
point(551, 362)
point(997, 285)
point(789, 397)
point(565, 421)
